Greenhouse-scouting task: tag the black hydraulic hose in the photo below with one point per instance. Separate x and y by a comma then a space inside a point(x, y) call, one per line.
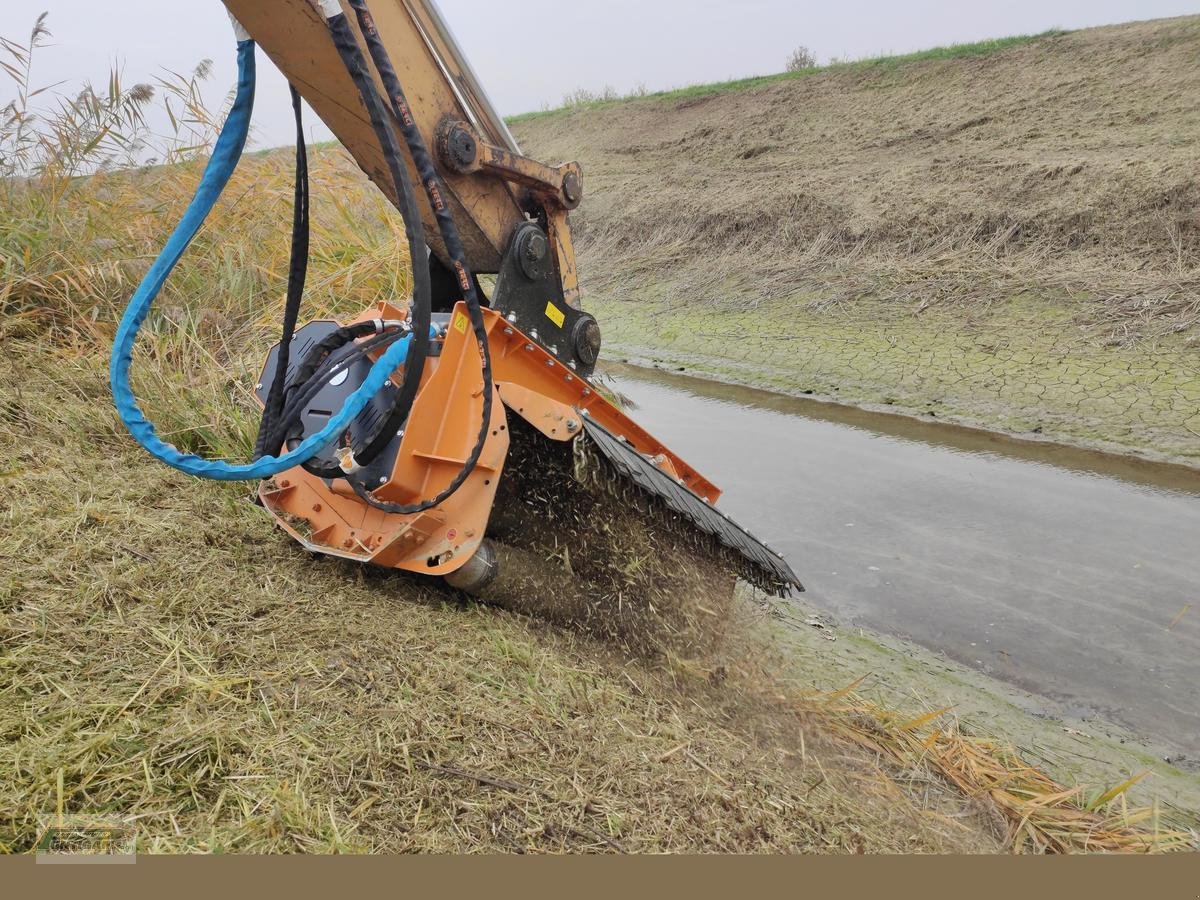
point(356, 65)
point(297, 273)
point(454, 249)
point(335, 341)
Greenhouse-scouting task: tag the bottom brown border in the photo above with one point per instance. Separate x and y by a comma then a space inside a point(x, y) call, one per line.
point(733, 878)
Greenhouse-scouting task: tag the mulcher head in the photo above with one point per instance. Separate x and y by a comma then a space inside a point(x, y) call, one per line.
point(573, 512)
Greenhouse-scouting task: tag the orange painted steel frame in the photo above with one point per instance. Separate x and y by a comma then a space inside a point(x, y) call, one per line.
point(443, 425)
point(489, 197)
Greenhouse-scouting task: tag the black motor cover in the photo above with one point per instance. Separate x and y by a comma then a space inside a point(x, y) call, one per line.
point(326, 402)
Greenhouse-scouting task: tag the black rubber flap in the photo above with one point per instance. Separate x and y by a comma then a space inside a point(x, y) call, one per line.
point(772, 570)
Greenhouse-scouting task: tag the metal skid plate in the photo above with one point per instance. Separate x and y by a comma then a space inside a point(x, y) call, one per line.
point(650, 478)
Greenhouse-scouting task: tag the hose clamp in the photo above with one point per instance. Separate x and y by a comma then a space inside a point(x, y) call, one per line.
point(329, 8)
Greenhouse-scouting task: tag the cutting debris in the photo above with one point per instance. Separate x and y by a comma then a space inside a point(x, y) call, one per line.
point(454, 433)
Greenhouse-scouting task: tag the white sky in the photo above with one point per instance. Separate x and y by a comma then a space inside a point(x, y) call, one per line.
point(529, 53)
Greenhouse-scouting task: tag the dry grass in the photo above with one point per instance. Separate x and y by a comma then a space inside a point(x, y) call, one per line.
point(174, 666)
point(1057, 163)
point(1041, 815)
point(175, 669)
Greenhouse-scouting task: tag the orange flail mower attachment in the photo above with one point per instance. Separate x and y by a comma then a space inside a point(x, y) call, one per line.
point(328, 517)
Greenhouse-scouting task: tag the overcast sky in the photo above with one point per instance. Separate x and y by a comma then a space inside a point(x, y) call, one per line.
point(530, 52)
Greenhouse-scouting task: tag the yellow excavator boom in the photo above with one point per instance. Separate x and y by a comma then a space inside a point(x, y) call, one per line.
point(450, 108)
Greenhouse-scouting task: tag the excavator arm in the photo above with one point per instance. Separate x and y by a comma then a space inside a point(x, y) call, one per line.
point(469, 439)
point(493, 191)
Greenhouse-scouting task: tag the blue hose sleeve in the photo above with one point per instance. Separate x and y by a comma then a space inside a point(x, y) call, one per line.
point(226, 153)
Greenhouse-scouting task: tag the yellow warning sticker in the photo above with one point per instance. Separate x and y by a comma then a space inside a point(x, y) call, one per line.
point(460, 323)
point(555, 315)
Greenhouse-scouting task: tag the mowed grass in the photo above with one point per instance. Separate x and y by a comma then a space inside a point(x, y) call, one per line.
point(176, 671)
point(175, 668)
point(881, 62)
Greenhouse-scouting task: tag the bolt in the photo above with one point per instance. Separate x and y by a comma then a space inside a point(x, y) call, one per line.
point(508, 332)
point(572, 188)
point(458, 147)
point(587, 392)
point(317, 507)
point(550, 363)
point(536, 246)
point(529, 346)
point(533, 334)
point(258, 387)
point(572, 424)
point(383, 479)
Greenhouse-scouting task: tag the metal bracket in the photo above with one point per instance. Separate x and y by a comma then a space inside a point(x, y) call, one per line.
point(529, 294)
point(463, 152)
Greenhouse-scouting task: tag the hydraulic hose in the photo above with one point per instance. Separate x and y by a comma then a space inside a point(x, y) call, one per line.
point(297, 273)
point(226, 153)
point(454, 249)
point(356, 66)
point(285, 401)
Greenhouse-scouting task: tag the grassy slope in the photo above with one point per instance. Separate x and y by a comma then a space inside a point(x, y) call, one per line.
point(952, 51)
point(1005, 237)
point(172, 663)
point(175, 666)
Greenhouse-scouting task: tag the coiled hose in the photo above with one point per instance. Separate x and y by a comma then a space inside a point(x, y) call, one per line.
point(226, 153)
point(285, 403)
